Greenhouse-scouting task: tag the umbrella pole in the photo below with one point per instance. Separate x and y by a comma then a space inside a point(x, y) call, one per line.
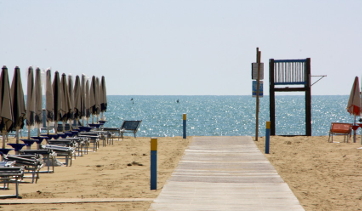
point(56, 127)
point(3, 134)
point(47, 126)
point(354, 131)
point(28, 132)
point(17, 136)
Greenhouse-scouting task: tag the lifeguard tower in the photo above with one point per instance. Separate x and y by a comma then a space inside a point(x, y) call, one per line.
point(294, 72)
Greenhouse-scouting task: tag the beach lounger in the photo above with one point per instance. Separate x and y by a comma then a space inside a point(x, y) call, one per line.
point(32, 164)
point(338, 128)
point(66, 152)
point(128, 126)
point(80, 143)
point(63, 142)
point(92, 139)
point(11, 175)
point(103, 135)
point(49, 157)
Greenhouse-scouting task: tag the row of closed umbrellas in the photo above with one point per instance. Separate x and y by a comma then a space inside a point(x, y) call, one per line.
point(65, 100)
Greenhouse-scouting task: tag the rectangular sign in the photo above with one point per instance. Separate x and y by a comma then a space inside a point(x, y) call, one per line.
point(254, 71)
point(255, 89)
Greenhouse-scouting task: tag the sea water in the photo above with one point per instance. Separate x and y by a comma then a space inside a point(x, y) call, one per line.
point(224, 115)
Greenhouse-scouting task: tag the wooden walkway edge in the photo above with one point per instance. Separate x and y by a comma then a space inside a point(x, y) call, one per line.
point(70, 200)
point(225, 173)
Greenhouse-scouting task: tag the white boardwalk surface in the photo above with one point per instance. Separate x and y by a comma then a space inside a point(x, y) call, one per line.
point(225, 173)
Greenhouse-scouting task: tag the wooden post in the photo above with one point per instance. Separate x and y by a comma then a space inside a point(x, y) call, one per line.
point(267, 137)
point(153, 173)
point(308, 99)
point(184, 118)
point(271, 97)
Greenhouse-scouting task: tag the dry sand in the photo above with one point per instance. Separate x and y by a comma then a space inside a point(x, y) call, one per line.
point(323, 176)
point(116, 171)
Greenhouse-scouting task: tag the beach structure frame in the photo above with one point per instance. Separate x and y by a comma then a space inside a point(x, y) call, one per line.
point(295, 72)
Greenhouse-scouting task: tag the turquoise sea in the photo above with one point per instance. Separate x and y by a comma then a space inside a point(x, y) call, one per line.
point(224, 115)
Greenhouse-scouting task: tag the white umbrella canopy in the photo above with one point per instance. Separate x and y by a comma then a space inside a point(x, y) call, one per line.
point(30, 101)
point(38, 100)
point(354, 103)
point(18, 103)
point(5, 104)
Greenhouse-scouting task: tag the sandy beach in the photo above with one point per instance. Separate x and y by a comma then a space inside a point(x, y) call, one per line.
point(322, 175)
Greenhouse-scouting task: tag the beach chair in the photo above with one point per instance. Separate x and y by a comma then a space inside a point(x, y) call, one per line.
point(31, 163)
point(11, 175)
point(67, 152)
point(128, 126)
point(48, 155)
point(338, 128)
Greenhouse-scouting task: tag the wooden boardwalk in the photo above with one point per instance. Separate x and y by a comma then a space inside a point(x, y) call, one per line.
point(225, 173)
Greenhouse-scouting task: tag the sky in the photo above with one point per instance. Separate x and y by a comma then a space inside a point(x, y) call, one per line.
point(189, 47)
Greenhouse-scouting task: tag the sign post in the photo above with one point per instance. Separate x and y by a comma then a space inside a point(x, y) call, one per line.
point(258, 75)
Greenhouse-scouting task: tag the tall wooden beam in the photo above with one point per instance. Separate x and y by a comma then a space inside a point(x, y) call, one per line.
point(271, 97)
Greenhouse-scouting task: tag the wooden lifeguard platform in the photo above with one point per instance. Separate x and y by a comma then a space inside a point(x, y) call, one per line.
point(294, 72)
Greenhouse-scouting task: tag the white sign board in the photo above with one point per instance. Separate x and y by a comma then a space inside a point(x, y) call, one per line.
point(254, 69)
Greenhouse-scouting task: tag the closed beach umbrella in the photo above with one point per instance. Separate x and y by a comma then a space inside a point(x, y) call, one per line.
point(57, 96)
point(65, 99)
point(5, 103)
point(93, 98)
point(98, 95)
point(49, 103)
point(83, 97)
point(77, 99)
point(30, 101)
point(71, 97)
point(87, 101)
point(103, 95)
point(38, 100)
point(354, 103)
point(18, 103)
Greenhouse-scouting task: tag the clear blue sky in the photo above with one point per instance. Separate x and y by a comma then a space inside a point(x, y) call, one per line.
point(189, 47)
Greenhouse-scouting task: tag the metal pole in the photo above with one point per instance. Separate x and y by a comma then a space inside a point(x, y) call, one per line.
point(257, 96)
